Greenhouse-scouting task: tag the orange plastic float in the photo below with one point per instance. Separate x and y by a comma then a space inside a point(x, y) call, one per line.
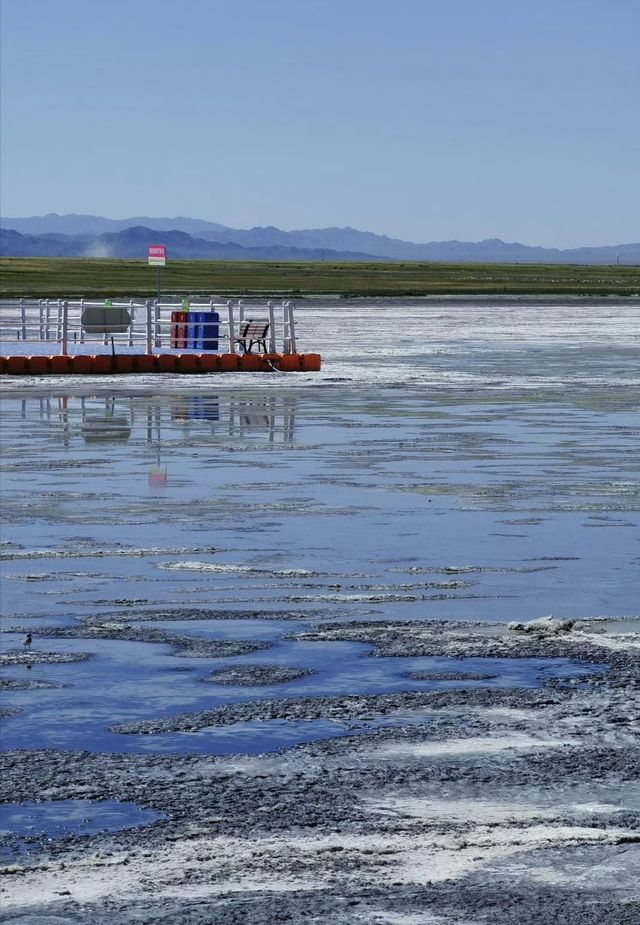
point(103, 364)
point(189, 363)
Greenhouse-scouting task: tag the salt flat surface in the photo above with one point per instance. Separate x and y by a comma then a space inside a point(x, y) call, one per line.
point(452, 460)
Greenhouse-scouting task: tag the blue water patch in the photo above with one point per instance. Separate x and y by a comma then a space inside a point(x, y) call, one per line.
point(132, 681)
point(24, 825)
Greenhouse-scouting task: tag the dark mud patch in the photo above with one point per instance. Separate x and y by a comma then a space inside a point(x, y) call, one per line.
point(35, 657)
point(26, 684)
point(339, 708)
point(91, 551)
point(255, 675)
point(191, 646)
point(186, 614)
point(583, 640)
point(449, 676)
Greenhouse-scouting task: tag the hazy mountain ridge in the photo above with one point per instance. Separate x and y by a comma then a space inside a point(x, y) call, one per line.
point(131, 243)
point(75, 234)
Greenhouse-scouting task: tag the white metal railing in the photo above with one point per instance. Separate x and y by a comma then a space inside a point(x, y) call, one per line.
point(153, 324)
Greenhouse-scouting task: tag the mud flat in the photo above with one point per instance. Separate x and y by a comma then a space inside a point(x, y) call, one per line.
point(489, 805)
point(27, 659)
point(182, 645)
point(256, 675)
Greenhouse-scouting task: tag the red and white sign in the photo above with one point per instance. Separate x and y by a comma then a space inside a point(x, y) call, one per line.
point(157, 255)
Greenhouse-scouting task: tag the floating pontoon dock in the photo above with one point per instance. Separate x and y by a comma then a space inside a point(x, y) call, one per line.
point(116, 336)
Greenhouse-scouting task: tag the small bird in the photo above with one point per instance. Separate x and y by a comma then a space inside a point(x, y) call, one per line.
point(26, 642)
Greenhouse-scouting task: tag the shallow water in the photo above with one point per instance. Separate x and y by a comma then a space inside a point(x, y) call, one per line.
point(55, 819)
point(127, 681)
point(482, 466)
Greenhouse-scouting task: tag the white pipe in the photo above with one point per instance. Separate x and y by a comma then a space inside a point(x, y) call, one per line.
point(156, 318)
point(64, 334)
point(292, 329)
point(286, 345)
point(272, 327)
point(232, 328)
point(23, 319)
point(149, 326)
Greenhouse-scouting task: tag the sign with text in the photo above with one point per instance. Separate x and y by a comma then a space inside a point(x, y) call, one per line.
point(157, 255)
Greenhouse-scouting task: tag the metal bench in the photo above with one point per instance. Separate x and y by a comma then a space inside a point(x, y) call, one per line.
point(253, 332)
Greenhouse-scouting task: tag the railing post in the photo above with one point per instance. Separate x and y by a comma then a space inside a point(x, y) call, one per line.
point(272, 327)
point(156, 325)
point(292, 328)
point(232, 328)
point(41, 318)
point(23, 320)
point(59, 321)
point(240, 311)
point(81, 325)
point(64, 334)
point(132, 314)
point(149, 326)
point(285, 329)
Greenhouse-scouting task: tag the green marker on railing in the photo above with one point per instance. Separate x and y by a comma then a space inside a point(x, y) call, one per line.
point(108, 303)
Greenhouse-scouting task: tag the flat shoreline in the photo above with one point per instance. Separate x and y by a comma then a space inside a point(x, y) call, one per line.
point(492, 805)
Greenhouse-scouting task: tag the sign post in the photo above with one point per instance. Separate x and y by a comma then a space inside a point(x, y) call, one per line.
point(157, 257)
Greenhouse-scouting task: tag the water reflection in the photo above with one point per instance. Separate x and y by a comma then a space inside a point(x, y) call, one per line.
point(115, 418)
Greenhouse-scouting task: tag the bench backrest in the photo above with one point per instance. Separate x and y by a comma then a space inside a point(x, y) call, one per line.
point(254, 330)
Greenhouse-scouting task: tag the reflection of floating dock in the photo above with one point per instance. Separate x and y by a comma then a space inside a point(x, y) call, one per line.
point(107, 429)
point(102, 364)
point(149, 337)
point(118, 418)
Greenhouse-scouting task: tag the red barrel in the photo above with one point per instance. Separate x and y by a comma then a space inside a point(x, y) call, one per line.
point(179, 330)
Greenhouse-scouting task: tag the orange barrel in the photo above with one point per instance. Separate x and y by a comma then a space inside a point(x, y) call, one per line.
point(103, 364)
point(187, 363)
point(312, 362)
point(289, 362)
point(124, 363)
point(179, 330)
point(229, 362)
point(144, 363)
point(38, 366)
point(208, 362)
point(81, 365)
point(59, 364)
point(167, 363)
point(252, 363)
point(17, 366)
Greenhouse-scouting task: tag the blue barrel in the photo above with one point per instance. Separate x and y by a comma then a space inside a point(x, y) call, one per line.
point(209, 329)
point(192, 330)
point(203, 330)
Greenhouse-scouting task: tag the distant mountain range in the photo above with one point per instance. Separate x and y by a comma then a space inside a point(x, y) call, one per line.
point(131, 243)
point(192, 239)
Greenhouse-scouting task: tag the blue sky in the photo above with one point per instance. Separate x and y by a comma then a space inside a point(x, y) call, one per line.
point(421, 119)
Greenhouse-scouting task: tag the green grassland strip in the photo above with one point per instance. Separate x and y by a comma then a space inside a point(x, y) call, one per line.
point(76, 277)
